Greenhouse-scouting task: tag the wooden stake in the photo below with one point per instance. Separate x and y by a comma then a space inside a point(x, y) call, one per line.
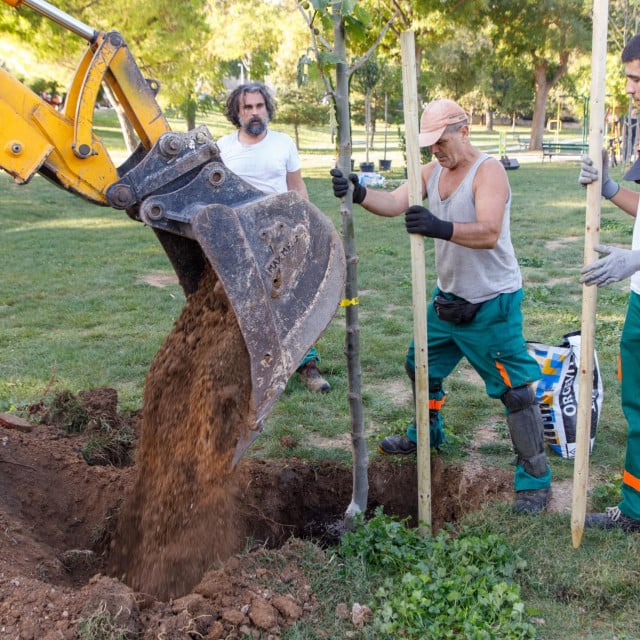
point(411, 117)
point(589, 294)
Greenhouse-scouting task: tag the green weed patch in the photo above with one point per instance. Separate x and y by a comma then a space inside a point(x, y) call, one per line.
point(447, 586)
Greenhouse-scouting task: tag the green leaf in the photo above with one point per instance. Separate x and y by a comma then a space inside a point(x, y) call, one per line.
point(348, 7)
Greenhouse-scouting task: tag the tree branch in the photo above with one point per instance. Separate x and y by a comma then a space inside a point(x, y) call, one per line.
point(372, 48)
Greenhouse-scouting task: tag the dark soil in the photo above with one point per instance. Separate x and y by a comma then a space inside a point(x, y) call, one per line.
point(151, 531)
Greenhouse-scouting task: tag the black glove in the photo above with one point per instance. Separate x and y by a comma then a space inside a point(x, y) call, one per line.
point(341, 186)
point(421, 220)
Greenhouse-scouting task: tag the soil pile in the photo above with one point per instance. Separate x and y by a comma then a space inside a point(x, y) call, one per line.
point(179, 519)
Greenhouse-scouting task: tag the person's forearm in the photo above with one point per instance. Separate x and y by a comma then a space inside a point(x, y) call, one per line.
point(385, 203)
point(475, 235)
point(297, 184)
point(627, 200)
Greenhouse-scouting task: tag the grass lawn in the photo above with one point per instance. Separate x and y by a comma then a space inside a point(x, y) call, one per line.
point(81, 308)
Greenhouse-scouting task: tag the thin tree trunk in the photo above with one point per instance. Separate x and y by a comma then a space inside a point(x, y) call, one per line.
point(352, 336)
point(372, 136)
point(367, 124)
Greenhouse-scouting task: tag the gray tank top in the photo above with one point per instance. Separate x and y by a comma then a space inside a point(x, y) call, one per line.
point(473, 274)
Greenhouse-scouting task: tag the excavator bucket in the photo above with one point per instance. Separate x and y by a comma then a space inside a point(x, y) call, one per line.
point(282, 267)
point(278, 257)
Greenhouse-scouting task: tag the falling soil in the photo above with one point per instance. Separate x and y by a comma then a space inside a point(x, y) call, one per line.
point(178, 520)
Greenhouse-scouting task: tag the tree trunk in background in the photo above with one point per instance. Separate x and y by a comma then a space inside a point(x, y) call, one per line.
point(539, 110)
point(543, 86)
point(128, 132)
point(367, 124)
point(489, 117)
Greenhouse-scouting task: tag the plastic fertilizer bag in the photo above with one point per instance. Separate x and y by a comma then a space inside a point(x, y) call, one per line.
point(557, 393)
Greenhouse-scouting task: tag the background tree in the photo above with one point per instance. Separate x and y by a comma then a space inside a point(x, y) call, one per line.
point(545, 36)
point(512, 89)
point(160, 35)
point(167, 47)
point(624, 23)
point(387, 97)
point(453, 67)
point(302, 106)
point(246, 36)
point(366, 78)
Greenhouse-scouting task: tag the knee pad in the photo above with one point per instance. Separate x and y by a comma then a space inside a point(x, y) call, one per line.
point(519, 398)
point(526, 429)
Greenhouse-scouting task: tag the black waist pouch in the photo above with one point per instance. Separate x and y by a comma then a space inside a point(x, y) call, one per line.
point(457, 311)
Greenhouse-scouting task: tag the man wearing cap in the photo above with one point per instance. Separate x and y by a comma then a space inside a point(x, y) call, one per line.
point(475, 308)
point(618, 264)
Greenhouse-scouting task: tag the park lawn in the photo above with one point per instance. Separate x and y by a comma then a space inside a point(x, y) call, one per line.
point(81, 308)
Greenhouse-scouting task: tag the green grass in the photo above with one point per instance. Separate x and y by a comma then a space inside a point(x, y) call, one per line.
point(77, 312)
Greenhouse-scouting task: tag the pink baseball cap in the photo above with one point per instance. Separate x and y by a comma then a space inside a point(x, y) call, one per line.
point(436, 117)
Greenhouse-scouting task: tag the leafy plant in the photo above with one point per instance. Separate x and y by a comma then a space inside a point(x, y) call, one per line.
point(606, 493)
point(449, 586)
point(531, 261)
point(384, 542)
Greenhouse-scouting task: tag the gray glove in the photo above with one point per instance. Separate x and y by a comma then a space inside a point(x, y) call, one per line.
point(617, 265)
point(589, 174)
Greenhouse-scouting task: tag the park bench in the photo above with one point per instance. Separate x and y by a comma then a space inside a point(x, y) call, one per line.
point(550, 149)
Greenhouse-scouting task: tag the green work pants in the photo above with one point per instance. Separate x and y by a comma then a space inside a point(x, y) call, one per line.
point(311, 355)
point(630, 363)
point(495, 347)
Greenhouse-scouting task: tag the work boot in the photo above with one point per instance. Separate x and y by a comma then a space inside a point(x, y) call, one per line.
point(612, 518)
point(312, 379)
point(532, 501)
point(393, 445)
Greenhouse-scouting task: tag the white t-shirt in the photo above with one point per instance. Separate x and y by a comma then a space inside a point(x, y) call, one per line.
point(635, 245)
point(263, 165)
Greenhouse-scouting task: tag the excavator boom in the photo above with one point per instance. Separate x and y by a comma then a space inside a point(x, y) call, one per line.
point(278, 257)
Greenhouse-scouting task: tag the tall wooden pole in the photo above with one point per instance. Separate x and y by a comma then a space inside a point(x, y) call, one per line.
point(589, 294)
point(410, 96)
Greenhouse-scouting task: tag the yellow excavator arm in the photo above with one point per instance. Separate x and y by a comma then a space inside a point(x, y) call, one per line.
point(62, 145)
point(278, 258)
